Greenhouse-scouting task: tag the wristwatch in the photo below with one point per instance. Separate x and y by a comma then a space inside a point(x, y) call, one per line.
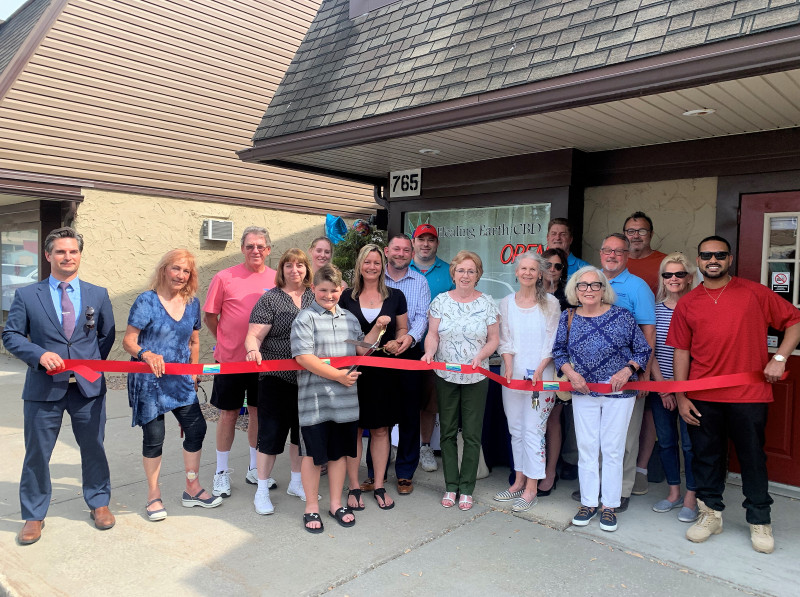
point(633, 368)
point(140, 353)
point(779, 357)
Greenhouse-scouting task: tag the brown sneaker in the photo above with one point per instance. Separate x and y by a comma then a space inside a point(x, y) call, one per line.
point(640, 485)
point(761, 538)
point(709, 523)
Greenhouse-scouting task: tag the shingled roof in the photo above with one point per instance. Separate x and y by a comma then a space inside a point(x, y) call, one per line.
point(411, 53)
point(15, 30)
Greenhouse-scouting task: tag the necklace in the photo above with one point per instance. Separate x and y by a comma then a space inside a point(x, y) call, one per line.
point(719, 295)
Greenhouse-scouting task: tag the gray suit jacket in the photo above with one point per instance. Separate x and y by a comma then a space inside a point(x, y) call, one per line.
point(32, 328)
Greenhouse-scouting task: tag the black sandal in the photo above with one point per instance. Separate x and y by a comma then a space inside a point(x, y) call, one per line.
point(381, 493)
point(313, 517)
point(340, 514)
point(356, 493)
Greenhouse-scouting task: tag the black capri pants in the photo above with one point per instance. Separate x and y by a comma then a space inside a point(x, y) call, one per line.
point(277, 414)
point(194, 431)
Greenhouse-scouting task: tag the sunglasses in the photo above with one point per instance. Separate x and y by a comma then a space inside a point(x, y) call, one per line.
point(557, 266)
point(89, 318)
point(668, 275)
point(718, 255)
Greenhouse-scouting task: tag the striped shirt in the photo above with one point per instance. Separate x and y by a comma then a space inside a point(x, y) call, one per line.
point(322, 333)
point(415, 288)
point(664, 353)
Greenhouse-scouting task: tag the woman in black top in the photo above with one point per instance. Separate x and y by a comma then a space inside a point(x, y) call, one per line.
point(268, 337)
point(368, 299)
point(555, 279)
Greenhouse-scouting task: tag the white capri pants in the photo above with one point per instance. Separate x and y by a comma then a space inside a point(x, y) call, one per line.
point(527, 427)
point(601, 425)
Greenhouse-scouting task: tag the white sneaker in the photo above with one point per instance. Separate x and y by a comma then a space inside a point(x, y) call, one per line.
point(262, 503)
point(427, 460)
point(252, 479)
point(222, 484)
point(296, 491)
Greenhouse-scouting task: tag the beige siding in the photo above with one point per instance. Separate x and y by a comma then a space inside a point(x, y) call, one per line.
point(161, 94)
point(683, 213)
point(127, 234)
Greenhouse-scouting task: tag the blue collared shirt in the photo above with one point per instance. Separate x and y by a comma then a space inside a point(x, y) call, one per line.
point(438, 277)
point(635, 295)
point(73, 292)
point(418, 296)
point(574, 264)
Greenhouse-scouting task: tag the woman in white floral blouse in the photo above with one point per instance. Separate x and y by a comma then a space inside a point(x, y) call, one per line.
point(463, 329)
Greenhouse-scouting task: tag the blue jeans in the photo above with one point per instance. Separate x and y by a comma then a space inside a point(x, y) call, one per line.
point(667, 432)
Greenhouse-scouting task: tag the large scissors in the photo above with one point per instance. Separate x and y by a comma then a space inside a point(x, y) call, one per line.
point(370, 347)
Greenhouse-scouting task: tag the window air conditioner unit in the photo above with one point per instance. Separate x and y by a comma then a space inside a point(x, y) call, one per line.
point(218, 230)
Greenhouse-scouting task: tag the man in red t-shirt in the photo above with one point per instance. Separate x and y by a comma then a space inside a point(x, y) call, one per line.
point(231, 297)
point(644, 262)
point(720, 328)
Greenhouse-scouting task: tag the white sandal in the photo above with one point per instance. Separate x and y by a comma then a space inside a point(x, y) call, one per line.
point(465, 503)
point(449, 499)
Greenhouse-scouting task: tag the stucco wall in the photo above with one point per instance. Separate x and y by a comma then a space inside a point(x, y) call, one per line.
point(127, 234)
point(683, 213)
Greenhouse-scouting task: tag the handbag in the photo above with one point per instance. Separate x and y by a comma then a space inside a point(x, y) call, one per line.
point(564, 395)
point(483, 470)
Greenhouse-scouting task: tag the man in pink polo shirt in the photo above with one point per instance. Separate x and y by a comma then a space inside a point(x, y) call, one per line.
point(231, 297)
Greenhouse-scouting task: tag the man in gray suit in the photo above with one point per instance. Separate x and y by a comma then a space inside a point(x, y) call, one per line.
point(59, 318)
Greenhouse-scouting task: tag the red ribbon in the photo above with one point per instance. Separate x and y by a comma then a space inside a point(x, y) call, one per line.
point(91, 370)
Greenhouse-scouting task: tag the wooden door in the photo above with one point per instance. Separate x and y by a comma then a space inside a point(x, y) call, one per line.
point(769, 253)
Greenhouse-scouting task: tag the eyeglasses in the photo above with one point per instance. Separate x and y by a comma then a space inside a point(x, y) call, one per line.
point(668, 275)
point(468, 272)
point(90, 318)
point(584, 286)
point(635, 231)
point(617, 252)
point(259, 248)
point(718, 255)
point(557, 266)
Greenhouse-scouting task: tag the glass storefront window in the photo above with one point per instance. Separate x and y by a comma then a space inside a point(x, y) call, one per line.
point(496, 234)
point(19, 253)
point(780, 255)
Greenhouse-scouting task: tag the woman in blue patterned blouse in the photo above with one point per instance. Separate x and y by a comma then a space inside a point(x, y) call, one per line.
point(164, 327)
point(599, 343)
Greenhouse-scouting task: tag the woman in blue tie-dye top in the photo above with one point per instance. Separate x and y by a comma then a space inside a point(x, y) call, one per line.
point(164, 327)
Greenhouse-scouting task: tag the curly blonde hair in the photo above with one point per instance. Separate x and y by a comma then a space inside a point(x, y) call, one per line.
point(173, 256)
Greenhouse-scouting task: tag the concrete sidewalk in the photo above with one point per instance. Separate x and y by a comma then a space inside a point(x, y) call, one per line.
point(416, 548)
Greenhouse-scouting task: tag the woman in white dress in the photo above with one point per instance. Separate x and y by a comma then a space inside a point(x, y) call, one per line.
point(528, 325)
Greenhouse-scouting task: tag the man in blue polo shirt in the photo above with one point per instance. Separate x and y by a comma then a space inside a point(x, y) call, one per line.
point(635, 295)
point(437, 273)
point(559, 236)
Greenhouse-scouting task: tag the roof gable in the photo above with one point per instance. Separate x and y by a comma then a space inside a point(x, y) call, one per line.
point(412, 53)
point(15, 30)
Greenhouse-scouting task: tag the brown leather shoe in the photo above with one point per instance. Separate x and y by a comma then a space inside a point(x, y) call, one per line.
point(368, 484)
point(31, 532)
point(103, 518)
point(405, 486)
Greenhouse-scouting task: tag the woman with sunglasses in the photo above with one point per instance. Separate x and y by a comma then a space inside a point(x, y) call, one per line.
point(554, 279)
point(675, 280)
point(555, 274)
point(599, 343)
